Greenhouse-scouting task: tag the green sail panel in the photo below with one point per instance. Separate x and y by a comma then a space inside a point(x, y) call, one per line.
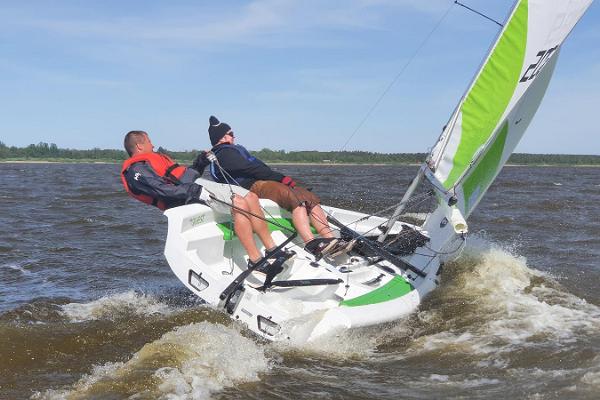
point(482, 176)
point(491, 93)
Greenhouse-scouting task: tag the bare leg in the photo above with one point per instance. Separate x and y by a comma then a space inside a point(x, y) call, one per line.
point(259, 225)
point(243, 229)
point(302, 223)
point(319, 221)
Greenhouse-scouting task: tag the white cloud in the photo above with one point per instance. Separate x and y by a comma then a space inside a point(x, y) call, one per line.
point(258, 22)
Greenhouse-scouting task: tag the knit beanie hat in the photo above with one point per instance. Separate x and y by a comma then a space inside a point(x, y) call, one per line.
point(217, 129)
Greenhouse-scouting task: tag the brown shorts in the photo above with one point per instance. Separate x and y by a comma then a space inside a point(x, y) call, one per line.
point(283, 195)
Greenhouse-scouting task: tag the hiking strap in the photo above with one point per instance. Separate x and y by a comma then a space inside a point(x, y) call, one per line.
point(301, 282)
point(238, 282)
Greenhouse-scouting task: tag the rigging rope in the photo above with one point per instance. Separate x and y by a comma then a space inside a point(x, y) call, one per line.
point(226, 175)
point(401, 235)
point(417, 200)
point(478, 13)
point(393, 82)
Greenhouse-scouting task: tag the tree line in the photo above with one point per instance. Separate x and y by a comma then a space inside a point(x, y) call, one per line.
point(51, 152)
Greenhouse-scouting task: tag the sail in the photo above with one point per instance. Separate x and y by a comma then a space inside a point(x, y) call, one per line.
point(502, 99)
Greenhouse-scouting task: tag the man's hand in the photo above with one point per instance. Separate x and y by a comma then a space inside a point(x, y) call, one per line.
point(201, 162)
point(287, 180)
point(210, 156)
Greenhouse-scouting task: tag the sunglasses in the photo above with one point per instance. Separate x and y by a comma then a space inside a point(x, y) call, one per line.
point(230, 134)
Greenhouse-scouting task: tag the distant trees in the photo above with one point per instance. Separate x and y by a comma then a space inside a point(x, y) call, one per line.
point(45, 151)
point(3, 151)
point(553, 159)
point(354, 157)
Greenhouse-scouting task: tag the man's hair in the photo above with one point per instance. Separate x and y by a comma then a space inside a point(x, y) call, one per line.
point(132, 138)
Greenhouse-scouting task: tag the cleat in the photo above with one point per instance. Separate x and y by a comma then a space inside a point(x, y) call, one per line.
point(342, 247)
point(319, 247)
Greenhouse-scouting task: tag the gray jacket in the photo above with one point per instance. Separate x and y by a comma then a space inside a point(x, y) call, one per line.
point(142, 179)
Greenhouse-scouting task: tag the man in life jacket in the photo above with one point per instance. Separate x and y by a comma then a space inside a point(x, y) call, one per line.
point(237, 166)
point(155, 179)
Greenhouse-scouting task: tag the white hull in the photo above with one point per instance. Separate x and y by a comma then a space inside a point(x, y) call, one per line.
point(197, 247)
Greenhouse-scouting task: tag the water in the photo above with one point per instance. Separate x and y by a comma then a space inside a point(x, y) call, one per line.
point(90, 310)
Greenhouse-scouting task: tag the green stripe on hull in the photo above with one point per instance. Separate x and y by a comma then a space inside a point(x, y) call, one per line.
point(397, 287)
point(491, 92)
point(228, 233)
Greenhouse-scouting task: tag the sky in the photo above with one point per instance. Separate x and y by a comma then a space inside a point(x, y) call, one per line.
point(285, 74)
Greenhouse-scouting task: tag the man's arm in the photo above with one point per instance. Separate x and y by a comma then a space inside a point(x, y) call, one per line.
point(236, 164)
point(141, 179)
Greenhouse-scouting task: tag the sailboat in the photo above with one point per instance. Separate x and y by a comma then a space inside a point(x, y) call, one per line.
point(395, 262)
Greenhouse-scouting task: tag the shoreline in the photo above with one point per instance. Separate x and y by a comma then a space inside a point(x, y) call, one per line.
point(293, 163)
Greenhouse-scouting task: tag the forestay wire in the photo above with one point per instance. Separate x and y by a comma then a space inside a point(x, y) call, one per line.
point(231, 180)
point(416, 200)
point(393, 82)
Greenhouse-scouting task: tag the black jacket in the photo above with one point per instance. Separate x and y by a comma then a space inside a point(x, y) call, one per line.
point(241, 166)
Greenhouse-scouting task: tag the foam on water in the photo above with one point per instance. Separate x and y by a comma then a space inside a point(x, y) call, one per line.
point(459, 381)
point(130, 302)
point(591, 377)
point(506, 304)
point(355, 343)
point(500, 305)
point(19, 268)
point(190, 362)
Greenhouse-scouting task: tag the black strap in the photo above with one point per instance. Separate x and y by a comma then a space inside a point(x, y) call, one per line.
point(238, 282)
point(168, 174)
point(303, 282)
point(273, 270)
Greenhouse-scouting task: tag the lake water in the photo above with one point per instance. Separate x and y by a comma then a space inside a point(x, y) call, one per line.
point(89, 308)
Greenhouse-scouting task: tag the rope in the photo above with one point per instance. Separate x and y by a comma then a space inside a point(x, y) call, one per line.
point(394, 206)
point(460, 247)
point(418, 199)
point(410, 60)
point(363, 235)
point(478, 13)
point(225, 175)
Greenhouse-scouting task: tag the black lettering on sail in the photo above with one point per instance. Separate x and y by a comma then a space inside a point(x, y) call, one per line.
point(543, 62)
point(525, 78)
point(543, 57)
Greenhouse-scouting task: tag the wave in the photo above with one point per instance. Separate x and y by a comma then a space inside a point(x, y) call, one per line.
point(116, 306)
point(18, 267)
point(491, 303)
point(190, 362)
point(493, 315)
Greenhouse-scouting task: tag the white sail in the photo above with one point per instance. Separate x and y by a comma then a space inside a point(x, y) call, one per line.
point(502, 99)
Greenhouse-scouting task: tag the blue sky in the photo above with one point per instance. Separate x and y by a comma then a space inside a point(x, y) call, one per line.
point(293, 75)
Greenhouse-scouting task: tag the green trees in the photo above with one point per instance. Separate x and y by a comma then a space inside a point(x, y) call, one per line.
point(45, 151)
point(51, 152)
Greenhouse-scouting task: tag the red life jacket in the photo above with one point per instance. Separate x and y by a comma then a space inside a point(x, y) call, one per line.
point(162, 166)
